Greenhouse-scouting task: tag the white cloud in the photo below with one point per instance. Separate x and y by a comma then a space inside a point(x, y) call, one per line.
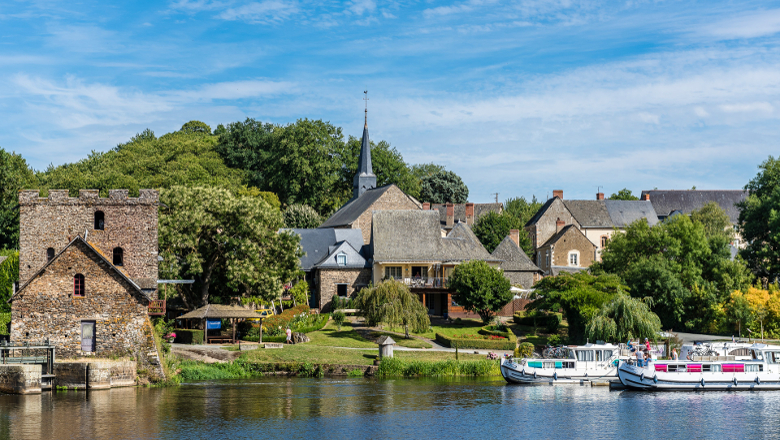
point(747, 107)
point(359, 7)
point(267, 11)
point(700, 112)
point(749, 25)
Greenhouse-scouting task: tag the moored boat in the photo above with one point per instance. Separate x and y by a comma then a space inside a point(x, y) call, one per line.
point(761, 372)
point(588, 362)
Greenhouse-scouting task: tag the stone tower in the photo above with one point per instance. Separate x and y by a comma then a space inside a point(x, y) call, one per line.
point(122, 228)
point(364, 178)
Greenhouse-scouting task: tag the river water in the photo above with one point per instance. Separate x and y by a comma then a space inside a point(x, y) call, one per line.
point(293, 408)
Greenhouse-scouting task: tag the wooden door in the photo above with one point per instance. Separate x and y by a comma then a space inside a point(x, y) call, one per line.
point(88, 336)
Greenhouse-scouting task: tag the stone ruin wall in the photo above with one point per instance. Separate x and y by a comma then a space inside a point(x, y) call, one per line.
point(130, 223)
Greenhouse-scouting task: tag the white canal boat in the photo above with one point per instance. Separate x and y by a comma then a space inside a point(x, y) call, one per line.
point(760, 372)
point(590, 362)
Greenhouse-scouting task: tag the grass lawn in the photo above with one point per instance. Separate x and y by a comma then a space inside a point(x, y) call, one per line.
point(329, 336)
point(403, 342)
point(467, 326)
point(331, 355)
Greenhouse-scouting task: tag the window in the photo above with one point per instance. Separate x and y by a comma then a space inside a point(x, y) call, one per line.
point(119, 256)
point(753, 368)
point(100, 220)
point(773, 357)
point(393, 272)
point(585, 355)
point(574, 258)
point(49, 254)
point(604, 241)
point(341, 259)
point(78, 285)
point(547, 257)
point(341, 290)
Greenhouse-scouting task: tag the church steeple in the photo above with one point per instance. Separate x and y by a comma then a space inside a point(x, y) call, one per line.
point(364, 178)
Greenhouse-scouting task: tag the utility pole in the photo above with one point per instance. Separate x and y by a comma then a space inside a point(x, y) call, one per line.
point(495, 194)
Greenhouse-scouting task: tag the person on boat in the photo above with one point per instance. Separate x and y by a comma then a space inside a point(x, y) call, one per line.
point(639, 358)
point(674, 354)
point(648, 358)
point(647, 344)
point(629, 345)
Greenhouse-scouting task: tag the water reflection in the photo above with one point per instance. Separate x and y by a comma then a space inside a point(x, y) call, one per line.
point(395, 408)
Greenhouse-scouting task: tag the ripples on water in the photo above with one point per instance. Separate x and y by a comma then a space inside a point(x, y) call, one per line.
point(288, 408)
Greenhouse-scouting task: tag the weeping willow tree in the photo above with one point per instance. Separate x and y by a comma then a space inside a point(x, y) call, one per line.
point(624, 318)
point(391, 303)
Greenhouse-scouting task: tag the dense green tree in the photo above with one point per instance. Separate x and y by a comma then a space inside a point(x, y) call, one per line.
point(480, 288)
point(387, 164)
point(623, 318)
point(391, 303)
point(443, 187)
point(422, 170)
point(521, 208)
point(623, 194)
point(301, 217)
point(14, 175)
point(9, 274)
point(196, 127)
point(247, 146)
point(211, 234)
point(492, 228)
point(268, 196)
point(714, 219)
point(581, 296)
point(759, 221)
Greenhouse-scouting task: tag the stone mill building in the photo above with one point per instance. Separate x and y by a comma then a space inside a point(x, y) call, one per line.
point(87, 273)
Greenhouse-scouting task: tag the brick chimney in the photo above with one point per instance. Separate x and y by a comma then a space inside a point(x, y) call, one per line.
point(426, 206)
point(514, 234)
point(599, 196)
point(558, 193)
point(469, 214)
point(646, 197)
point(450, 215)
point(559, 224)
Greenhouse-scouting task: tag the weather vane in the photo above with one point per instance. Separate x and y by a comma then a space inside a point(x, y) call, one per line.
point(365, 98)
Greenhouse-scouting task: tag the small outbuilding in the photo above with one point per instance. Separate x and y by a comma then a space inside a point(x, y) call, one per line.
point(386, 344)
point(213, 312)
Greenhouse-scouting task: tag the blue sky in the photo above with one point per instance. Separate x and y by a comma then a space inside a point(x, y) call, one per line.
point(518, 98)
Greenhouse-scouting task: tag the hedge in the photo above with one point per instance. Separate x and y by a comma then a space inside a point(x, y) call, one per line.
point(185, 336)
point(488, 332)
point(484, 344)
point(550, 321)
point(5, 318)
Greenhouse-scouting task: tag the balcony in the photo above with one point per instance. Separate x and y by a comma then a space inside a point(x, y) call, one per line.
point(424, 282)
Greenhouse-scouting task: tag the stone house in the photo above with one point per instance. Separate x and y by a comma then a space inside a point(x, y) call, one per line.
point(367, 198)
point(334, 263)
point(452, 213)
point(517, 267)
point(569, 248)
point(596, 219)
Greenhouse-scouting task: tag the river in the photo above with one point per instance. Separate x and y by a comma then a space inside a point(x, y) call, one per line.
point(293, 408)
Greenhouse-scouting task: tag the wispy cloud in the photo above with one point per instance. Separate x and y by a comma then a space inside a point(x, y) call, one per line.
point(268, 11)
point(747, 25)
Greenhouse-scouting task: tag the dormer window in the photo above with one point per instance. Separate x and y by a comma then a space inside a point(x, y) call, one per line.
point(341, 259)
point(119, 256)
point(100, 220)
point(49, 254)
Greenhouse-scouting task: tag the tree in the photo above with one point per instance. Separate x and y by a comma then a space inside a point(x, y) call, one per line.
point(247, 146)
point(387, 164)
point(623, 194)
point(196, 127)
point(714, 219)
point(14, 175)
point(624, 318)
point(480, 288)
point(211, 234)
point(301, 217)
point(422, 170)
point(267, 196)
point(9, 274)
point(759, 221)
point(522, 209)
point(492, 228)
point(581, 296)
point(391, 303)
point(443, 187)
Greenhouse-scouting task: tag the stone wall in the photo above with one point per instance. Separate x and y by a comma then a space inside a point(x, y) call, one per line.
point(130, 223)
point(327, 280)
point(20, 379)
point(524, 279)
point(546, 226)
point(573, 240)
point(392, 199)
point(47, 309)
point(97, 375)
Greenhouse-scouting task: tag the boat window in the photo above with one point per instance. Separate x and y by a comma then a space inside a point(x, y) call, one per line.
point(607, 354)
point(712, 368)
point(599, 355)
point(676, 367)
point(568, 364)
point(773, 357)
point(753, 368)
point(585, 355)
point(571, 355)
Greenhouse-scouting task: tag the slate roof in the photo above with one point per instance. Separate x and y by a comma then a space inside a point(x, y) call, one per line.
point(514, 257)
point(589, 213)
point(557, 270)
point(317, 243)
point(557, 236)
point(540, 212)
point(625, 212)
point(666, 201)
point(480, 209)
point(415, 236)
point(354, 259)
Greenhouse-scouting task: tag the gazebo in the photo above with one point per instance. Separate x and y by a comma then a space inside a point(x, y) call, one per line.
point(219, 311)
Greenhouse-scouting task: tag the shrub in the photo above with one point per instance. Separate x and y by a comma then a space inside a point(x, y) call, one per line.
point(524, 350)
point(338, 318)
point(502, 331)
point(552, 322)
point(556, 340)
point(473, 342)
point(450, 367)
point(185, 336)
point(5, 318)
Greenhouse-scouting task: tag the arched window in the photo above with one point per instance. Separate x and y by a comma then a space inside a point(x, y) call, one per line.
point(78, 285)
point(604, 239)
point(100, 220)
point(49, 254)
point(119, 256)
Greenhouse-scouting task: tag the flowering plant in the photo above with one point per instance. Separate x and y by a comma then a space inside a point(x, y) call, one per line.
point(492, 356)
point(171, 335)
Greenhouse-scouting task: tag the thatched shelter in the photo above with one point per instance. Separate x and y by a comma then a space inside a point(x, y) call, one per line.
point(219, 311)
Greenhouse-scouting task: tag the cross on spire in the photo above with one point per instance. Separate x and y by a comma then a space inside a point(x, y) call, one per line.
point(365, 98)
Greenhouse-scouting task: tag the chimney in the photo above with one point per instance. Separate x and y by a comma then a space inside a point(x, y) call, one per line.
point(469, 214)
point(559, 224)
point(426, 206)
point(646, 197)
point(514, 234)
point(599, 196)
point(450, 215)
point(558, 193)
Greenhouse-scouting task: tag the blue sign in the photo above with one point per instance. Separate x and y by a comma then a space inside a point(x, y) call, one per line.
point(213, 324)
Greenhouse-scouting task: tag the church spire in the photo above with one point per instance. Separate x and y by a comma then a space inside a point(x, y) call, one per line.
point(364, 178)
